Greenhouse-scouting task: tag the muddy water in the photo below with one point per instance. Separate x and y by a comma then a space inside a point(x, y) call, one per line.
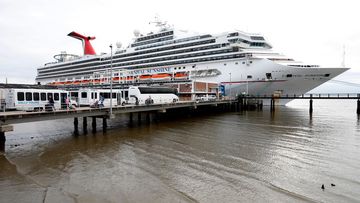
point(222, 157)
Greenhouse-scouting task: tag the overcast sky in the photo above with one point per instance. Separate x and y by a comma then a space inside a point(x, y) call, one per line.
point(32, 31)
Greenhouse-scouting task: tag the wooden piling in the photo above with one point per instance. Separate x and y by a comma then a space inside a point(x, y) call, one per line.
point(131, 117)
point(2, 141)
point(76, 125)
point(148, 117)
point(104, 123)
point(93, 124)
point(272, 104)
point(311, 104)
point(85, 124)
point(139, 117)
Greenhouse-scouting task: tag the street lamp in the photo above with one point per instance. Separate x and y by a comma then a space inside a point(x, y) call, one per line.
point(230, 87)
point(111, 60)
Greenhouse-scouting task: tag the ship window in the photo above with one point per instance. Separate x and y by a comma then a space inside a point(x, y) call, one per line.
point(56, 96)
point(268, 76)
point(83, 94)
point(43, 96)
point(289, 75)
point(243, 62)
point(249, 76)
point(327, 75)
point(20, 96)
point(36, 96)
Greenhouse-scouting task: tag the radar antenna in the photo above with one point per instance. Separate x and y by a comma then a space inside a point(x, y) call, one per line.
point(161, 24)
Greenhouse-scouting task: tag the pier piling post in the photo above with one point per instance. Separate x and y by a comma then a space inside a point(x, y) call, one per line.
point(131, 118)
point(358, 107)
point(93, 124)
point(85, 124)
point(104, 123)
point(311, 105)
point(148, 117)
point(76, 124)
point(272, 104)
point(139, 117)
point(2, 141)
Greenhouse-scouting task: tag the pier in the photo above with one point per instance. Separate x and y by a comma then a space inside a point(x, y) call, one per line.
point(240, 103)
point(15, 117)
point(256, 101)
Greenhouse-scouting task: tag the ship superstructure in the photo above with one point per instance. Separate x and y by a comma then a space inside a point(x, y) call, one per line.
point(241, 61)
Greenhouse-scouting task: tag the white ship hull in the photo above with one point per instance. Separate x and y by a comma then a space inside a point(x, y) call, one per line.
point(234, 77)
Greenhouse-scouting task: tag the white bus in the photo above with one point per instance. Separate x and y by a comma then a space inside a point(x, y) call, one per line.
point(87, 96)
point(152, 95)
point(28, 99)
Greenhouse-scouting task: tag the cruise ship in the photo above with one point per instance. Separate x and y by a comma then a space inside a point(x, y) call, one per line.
point(243, 63)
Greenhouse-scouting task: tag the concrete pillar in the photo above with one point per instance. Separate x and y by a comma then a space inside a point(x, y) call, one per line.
point(76, 124)
point(94, 124)
point(104, 123)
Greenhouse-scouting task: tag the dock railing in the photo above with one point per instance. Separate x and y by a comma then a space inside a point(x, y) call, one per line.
point(305, 96)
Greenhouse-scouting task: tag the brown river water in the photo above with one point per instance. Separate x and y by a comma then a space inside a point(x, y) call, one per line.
point(251, 156)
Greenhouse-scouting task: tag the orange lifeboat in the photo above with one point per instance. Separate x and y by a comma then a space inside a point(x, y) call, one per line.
point(181, 75)
point(161, 76)
point(145, 77)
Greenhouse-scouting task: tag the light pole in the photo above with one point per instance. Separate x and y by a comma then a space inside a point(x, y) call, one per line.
point(111, 60)
point(230, 87)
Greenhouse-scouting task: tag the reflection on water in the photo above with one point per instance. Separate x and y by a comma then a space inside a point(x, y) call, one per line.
point(226, 157)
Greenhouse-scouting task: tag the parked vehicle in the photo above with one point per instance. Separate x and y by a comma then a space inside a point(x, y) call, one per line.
point(34, 99)
point(88, 96)
point(152, 95)
point(206, 97)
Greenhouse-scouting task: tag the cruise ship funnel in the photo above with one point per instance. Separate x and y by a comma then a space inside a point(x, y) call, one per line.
point(88, 49)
